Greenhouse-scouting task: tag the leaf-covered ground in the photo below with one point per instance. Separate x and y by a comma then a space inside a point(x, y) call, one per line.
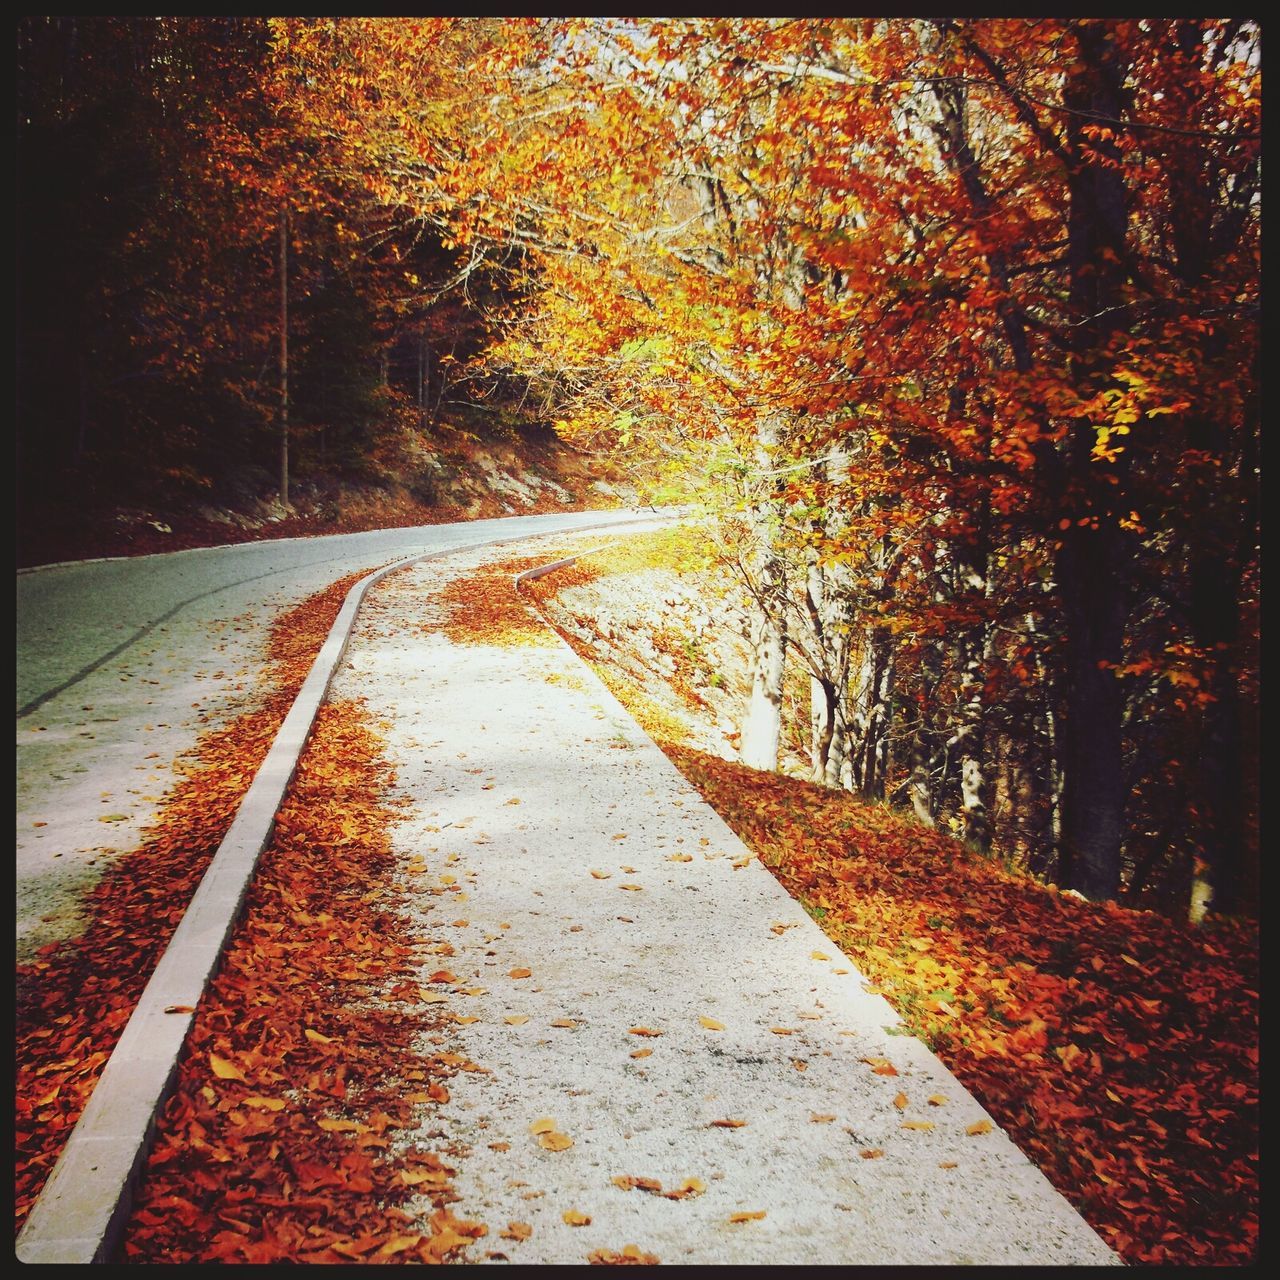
point(280, 1144)
point(1118, 1048)
point(74, 1001)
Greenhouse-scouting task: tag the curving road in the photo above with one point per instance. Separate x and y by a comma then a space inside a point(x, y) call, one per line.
point(122, 663)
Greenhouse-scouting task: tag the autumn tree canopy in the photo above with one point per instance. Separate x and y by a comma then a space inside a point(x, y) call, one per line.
point(950, 324)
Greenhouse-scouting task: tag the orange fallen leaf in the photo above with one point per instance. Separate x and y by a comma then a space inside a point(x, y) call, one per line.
point(818, 955)
point(517, 1231)
point(783, 1031)
point(342, 1126)
point(711, 1024)
point(754, 1216)
point(398, 1244)
point(680, 857)
point(499, 1146)
point(948, 1164)
point(936, 1100)
point(641, 1053)
point(815, 1118)
point(179, 1008)
point(223, 1069)
point(317, 1037)
point(644, 1031)
point(900, 1101)
point(465, 1019)
point(555, 1142)
point(576, 1219)
point(516, 1019)
point(978, 1127)
point(728, 1124)
point(689, 1188)
point(601, 875)
point(923, 1125)
point(871, 1153)
point(265, 1104)
point(885, 1069)
point(800, 1064)
point(630, 1182)
point(520, 973)
point(564, 1022)
point(545, 1125)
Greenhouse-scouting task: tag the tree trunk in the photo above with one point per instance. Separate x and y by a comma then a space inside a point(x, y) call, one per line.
point(762, 727)
point(284, 358)
point(1092, 564)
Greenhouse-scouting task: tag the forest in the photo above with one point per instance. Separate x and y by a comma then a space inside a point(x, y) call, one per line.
point(950, 328)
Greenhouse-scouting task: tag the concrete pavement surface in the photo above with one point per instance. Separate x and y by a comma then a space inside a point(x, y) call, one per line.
point(642, 985)
point(122, 663)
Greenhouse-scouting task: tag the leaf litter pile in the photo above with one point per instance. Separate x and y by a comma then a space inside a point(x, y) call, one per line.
point(74, 1000)
point(280, 1142)
point(1118, 1048)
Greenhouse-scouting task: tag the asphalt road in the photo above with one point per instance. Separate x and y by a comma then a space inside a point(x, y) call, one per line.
point(121, 664)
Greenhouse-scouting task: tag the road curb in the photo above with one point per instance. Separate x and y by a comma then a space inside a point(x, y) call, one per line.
point(85, 1203)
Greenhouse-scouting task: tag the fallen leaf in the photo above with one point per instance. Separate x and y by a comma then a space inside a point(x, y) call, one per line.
point(465, 1019)
point(900, 1101)
point(871, 1153)
point(936, 1100)
point(264, 1104)
point(520, 973)
point(601, 875)
point(783, 1031)
point(576, 1219)
point(641, 1053)
point(680, 857)
point(923, 1125)
point(499, 1146)
point(223, 1069)
point(555, 1142)
point(815, 1118)
point(630, 1182)
point(179, 1008)
point(317, 1037)
point(689, 1188)
point(748, 1217)
point(728, 1124)
point(635, 888)
point(948, 1164)
point(978, 1127)
point(644, 1031)
point(545, 1125)
point(517, 1231)
point(564, 1022)
point(398, 1244)
point(711, 1024)
point(516, 1019)
point(818, 955)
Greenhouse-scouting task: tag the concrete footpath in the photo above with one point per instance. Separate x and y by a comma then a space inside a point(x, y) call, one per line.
point(637, 982)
